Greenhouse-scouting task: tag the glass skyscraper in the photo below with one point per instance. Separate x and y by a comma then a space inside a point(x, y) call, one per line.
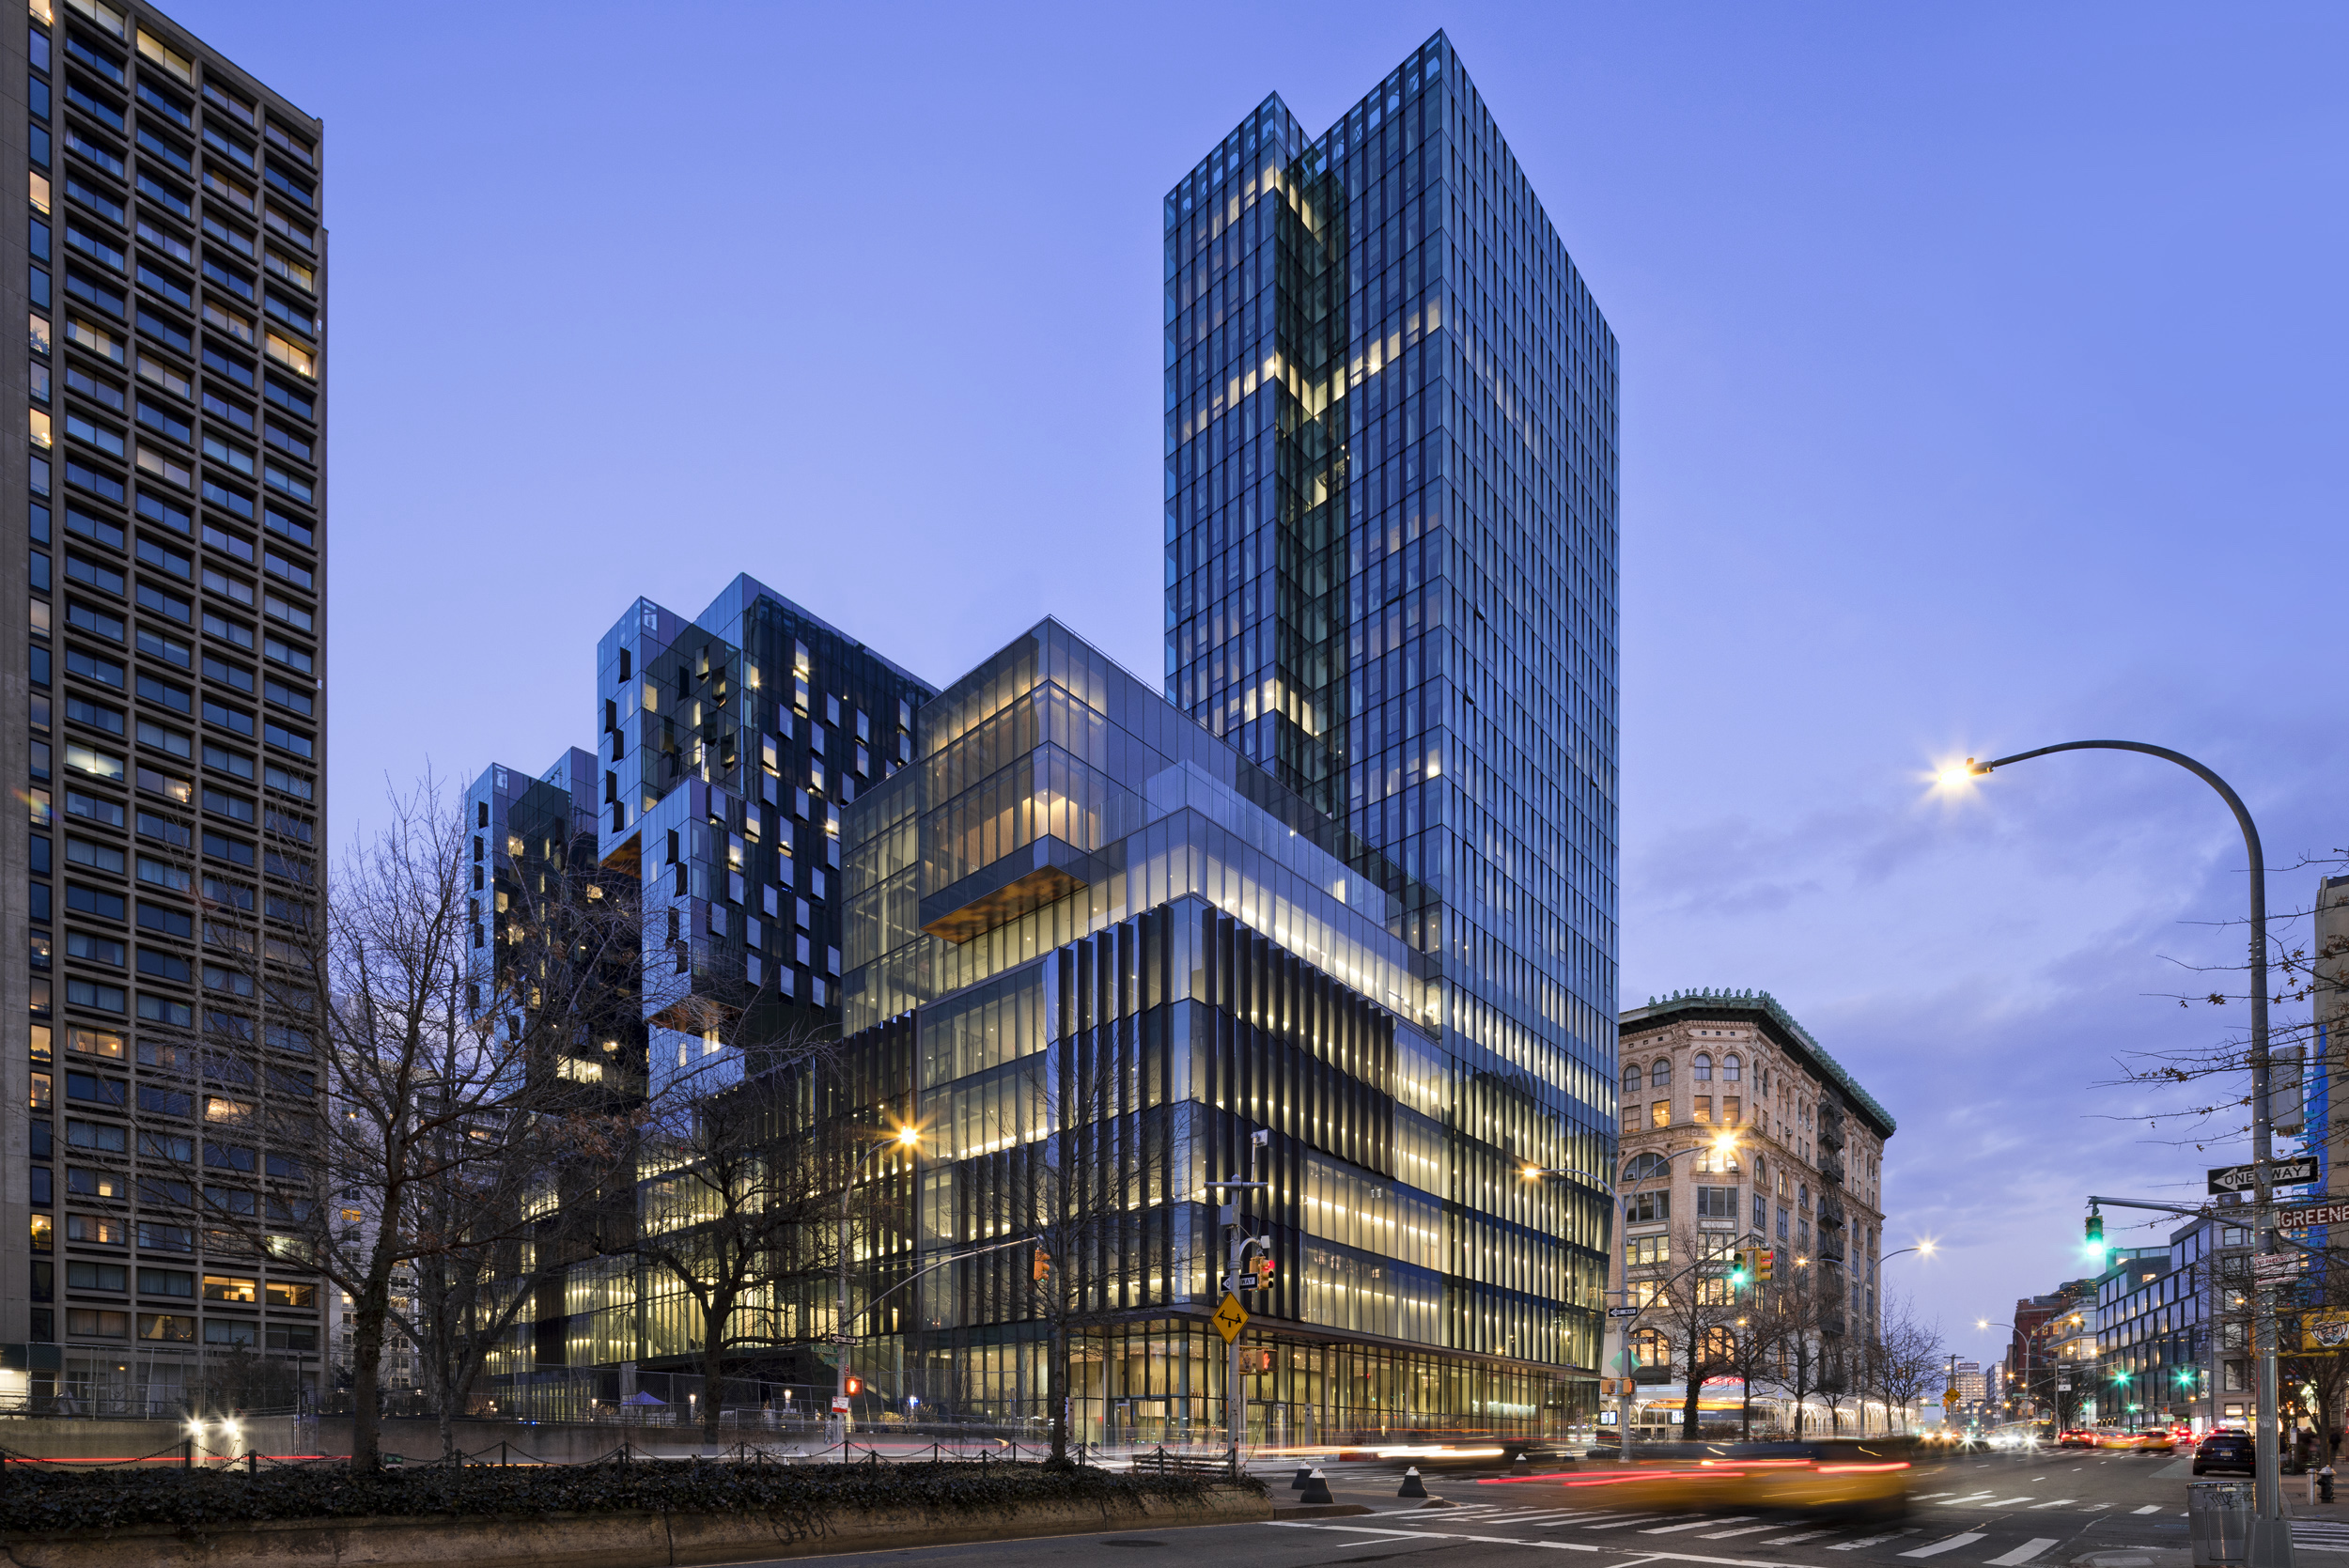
point(170, 510)
point(1392, 581)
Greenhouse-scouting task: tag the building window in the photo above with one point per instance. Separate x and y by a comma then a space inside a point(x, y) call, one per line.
point(1703, 1071)
point(1660, 1076)
point(1700, 1107)
point(1631, 1079)
point(1731, 1069)
point(1660, 1115)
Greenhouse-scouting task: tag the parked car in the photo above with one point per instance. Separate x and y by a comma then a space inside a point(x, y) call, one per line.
point(2224, 1450)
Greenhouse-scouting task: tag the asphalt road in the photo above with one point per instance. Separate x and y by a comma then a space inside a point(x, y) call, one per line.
point(2000, 1511)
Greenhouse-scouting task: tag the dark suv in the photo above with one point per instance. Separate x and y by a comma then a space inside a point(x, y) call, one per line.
point(2224, 1450)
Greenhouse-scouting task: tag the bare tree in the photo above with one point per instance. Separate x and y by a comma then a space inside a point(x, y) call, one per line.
point(441, 1025)
point(1695, 1309)
point(1909, 1356)
point(742, 1198)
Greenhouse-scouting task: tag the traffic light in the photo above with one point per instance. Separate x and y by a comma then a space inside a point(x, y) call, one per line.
point(1264, 1268)
point(1043, 1264)
point(1765, 1264)
point(1741, 1272)
point(2095, 1228)
point(856, 1386)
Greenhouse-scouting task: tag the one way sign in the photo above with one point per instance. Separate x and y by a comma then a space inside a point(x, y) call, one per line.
point(2281, 1172)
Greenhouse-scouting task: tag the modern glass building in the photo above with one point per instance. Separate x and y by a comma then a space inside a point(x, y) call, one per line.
point(1392, 579)
point(728, 746)
point(169, 505)
point(1121, 951)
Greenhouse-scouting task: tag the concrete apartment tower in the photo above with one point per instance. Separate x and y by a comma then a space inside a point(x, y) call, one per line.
point(165, 645)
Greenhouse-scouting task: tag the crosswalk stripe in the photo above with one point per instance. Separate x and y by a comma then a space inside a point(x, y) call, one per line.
point(2023, 1553)
point(2010, 1502)
point(1870, 1540)
point(1667, 1529)
point(2058, 1503)
point(1789, 1540)
point(2148, 1508)
point(1951, 1544)
point(1634, 1519)
point(1725, 1534)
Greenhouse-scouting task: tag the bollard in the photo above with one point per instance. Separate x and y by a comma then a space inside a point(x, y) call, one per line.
point(2325, 1484)
point(1316, 1489)
point(1304, 1474)
point(1412, 1486)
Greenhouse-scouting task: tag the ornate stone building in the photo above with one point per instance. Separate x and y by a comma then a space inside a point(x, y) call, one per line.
point(1801, 1174)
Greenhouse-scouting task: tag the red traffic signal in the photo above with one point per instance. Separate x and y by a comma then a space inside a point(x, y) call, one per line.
point(1264, 1268)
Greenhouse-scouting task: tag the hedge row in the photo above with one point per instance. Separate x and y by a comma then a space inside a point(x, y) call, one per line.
point(38, 1500)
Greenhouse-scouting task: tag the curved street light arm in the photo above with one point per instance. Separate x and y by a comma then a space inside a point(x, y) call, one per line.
point(2271, 1539)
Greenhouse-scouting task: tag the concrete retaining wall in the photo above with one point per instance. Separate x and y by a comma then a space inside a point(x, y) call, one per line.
point(605, 1540)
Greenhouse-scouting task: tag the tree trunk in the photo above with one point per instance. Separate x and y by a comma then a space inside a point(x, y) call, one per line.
point(367, 1360)
point(714, 1319)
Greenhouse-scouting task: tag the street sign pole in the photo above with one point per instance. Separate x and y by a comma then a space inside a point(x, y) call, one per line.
point(1234, 1390)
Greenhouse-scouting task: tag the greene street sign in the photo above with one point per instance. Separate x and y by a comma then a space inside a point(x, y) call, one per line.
point(2281, 1172)
point(2312, 1214)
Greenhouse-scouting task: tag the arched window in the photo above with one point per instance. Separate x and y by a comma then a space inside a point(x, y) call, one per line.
point(1631, 1078)
point(1650, 1349)
point(1660, 1076)
point(1804, 1193)
point(1732, 1069)
point(1646, 1167)
point(1703, 1071)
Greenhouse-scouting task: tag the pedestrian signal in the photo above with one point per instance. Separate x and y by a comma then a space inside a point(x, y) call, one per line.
point(856, 1385)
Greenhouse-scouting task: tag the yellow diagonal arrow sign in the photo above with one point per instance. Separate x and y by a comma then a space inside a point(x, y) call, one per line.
point(1230, 1319)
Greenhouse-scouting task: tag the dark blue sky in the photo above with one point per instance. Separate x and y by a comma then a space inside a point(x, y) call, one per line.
point(1981, 373)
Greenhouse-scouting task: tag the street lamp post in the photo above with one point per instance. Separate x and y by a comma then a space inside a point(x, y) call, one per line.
point(2271, 1540)
point(1993, 1323)
point(906, 1138)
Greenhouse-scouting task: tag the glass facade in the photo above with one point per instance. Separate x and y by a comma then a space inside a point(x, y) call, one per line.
point(1390, 571)
point(1125, 951)
point(171, 500)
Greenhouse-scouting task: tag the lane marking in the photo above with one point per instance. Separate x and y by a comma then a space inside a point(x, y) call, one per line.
point(2058, 1503)
point(1870, 1540)
point(2023, 1553)
point(1949, 1545)
point(1667, 1529)
point(1650, 1556)
point(1789, 1540)
point(2148, 1508)
point(1634, 1519)
point(1750, 1529)
point(2006, 1502)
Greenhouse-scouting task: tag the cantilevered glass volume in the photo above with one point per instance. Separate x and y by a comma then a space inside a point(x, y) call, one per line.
point(1390, 568)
